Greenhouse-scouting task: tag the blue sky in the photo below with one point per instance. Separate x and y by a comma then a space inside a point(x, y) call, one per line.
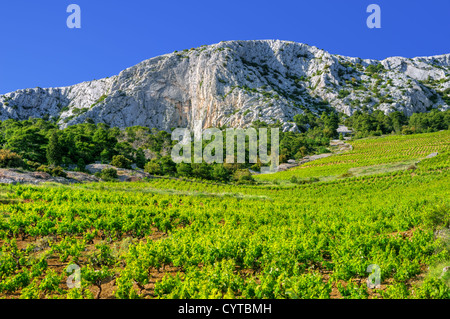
point(37, 48)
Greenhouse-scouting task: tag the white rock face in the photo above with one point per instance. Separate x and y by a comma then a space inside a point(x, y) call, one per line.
point(235, 83)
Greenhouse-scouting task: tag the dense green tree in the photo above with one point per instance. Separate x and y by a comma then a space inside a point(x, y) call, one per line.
point(331, 122)
point(184, 169)
point(220, 173)
point(398, 120)
point(153, 167)
point(168, 167)
point(54, 150)
point(140, 158)
point(201, 170)
point(28, 142)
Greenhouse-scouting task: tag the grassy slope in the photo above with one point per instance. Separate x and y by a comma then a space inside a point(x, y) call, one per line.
point(304, 241)
point(375, 155)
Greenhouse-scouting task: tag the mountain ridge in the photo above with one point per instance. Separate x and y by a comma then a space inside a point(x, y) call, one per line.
point(234, 83)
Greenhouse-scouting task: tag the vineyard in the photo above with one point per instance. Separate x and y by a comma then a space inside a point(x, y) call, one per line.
point(170, 238)
point(371, 152)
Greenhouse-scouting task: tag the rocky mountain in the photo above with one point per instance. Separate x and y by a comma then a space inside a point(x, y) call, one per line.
point(237, 82)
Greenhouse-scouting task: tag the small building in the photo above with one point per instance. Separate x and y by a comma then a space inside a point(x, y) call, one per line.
point(344, 130)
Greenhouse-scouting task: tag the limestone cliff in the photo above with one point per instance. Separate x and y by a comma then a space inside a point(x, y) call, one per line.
point(237, 82)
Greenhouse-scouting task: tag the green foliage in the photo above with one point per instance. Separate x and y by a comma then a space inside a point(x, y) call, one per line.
point(54, 150)
point(57, 171)
point(343, 93)
point(184, 170)
point(201, 170)
point(153, 167)
point(108, 174)
point(171, 238)
point(220, 173)
point(140, 158)
point(243, 176)
point(377, 123)
point(372, 69)
point(42, 142)
point(26, 138)
point(439, 217)
point(433, 288)
point(100, 100)
point(121, 161)
point(161, 166)
point(10, 159)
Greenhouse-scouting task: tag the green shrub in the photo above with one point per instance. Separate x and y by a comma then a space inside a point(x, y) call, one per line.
point(343, 93)
point(108, 174)
point(371, 69)
point(101, 99)
point(184, 169)
point(322, 150)
point(121, 161)
point(220, 173)
point(10, 159)
point(44, 168)
point(32, 165)
point(81, 165)
point(162, 166)
point(153, 167)
point(243, 176)
point(58, 172)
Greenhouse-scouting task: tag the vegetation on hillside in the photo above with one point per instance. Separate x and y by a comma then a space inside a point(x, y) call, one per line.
point(167, 238)
point(39, 145)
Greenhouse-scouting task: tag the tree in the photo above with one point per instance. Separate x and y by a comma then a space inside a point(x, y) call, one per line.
point(398, 120)
point(184, 169)
point(140, 158)
point(81, 165)
point(29, 142)
point(106, 155)
point(168, 167)
point(201, 170)
point(54, 150)
point(220, 173)
point(153, 167)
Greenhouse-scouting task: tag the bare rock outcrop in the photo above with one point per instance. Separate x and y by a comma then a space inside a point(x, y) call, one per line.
point(237, 82)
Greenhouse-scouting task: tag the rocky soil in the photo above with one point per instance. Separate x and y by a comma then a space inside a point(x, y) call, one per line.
point(19, 176)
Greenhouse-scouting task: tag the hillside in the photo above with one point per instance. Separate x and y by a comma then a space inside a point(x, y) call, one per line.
point(172, 239)
point(371, 156)
point(237, 82)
